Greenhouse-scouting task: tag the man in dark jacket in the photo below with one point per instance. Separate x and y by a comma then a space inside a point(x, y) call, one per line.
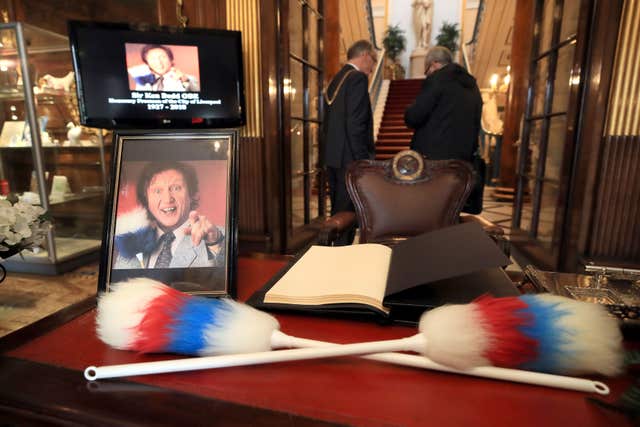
point(446, 114)
point(348, 124)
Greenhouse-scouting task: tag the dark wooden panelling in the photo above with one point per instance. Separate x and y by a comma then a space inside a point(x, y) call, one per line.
point(273, 54)
point(53, 14)
point(201, 13)
point(587, 172)
point(520, 54)
point(251, 187)
point(568, 193)
point(616, 222)
point(331, 38)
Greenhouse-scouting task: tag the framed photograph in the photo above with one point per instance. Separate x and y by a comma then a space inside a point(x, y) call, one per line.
point(171, 213)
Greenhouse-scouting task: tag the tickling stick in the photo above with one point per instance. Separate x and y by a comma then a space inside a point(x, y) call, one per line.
point(413, 343)
point(280, 339)
point(320, 349)
point(147, 316)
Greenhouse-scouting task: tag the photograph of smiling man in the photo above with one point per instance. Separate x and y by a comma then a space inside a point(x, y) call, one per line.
point(167, 68)
point(175, 225)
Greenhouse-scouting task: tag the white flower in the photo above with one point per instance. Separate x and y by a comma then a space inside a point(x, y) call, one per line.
point(7, 215)
point(21, 226)
point(30, 212)
point(12, 238)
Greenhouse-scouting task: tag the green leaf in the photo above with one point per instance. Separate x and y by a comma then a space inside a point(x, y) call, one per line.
point(448, 36)
point(394, 41)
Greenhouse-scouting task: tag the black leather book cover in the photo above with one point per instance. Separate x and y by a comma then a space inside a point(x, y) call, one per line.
point(453, 265)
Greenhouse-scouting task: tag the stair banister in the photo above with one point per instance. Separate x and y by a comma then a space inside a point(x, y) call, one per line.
point(376, 79)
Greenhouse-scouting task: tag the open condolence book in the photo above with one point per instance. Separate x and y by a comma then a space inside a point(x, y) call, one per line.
point(377, 278)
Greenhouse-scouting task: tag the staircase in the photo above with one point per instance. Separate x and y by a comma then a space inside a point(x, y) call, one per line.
point(393, 136)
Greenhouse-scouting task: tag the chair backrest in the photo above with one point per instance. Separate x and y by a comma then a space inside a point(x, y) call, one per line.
point(394, 202)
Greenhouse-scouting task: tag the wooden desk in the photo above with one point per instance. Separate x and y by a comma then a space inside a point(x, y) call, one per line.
point(42, 382)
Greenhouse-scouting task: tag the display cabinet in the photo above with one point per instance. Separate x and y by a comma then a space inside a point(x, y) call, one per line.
point(46, 157)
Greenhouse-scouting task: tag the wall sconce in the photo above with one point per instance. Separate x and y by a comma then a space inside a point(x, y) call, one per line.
point(272, 87)
point(493, 82)
point(296, 130)
point(495, 79)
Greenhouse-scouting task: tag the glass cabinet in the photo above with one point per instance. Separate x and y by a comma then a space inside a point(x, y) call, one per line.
point(46, 157)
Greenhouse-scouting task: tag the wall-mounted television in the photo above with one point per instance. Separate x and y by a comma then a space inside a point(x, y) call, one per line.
point(149, 77)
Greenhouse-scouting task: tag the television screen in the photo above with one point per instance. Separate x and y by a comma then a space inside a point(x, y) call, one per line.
point(134, 76)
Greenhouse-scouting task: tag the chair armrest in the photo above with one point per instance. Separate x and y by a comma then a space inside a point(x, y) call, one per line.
point(493, 230)
point(488, 226)
point(334, 226)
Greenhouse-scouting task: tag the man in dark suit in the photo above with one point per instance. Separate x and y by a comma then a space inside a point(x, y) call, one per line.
point(348, 124)
point(446, 113)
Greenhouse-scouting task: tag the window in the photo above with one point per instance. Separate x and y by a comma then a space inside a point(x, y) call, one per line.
point(544, 136)
point(303, 89)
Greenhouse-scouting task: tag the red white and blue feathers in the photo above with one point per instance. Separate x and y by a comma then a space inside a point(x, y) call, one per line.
point(147, 316)
point(134, 235)
point(536, 332)
point(541, 332)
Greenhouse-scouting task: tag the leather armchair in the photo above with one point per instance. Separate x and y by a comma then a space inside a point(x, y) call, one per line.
point(406, 196)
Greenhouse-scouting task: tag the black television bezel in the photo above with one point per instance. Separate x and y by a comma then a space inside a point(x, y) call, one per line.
point(153, 123)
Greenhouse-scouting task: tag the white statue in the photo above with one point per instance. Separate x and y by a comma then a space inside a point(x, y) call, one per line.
point(422, 16)
point(74, 133)
point(490, 120)
point(57, 83)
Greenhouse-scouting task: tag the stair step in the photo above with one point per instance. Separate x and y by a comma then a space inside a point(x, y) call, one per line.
point(395, 97)
point(389, 134)
point(399, 104)
point(406, 89)
point(403, 84)
point(398, 128)
point(393, 135)
point(394, 149)
point(410, 94)
point(392, 142)
point(384, 132)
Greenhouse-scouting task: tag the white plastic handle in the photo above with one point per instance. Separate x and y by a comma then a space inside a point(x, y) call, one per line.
point(281, 340)
point(414, 343)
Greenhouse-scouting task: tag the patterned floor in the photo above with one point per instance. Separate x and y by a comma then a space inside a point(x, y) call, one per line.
point(497, 212)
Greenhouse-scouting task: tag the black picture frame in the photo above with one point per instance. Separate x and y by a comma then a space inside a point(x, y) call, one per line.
point(153, 160)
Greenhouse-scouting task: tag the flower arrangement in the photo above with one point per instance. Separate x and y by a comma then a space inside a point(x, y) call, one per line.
point(22, 226)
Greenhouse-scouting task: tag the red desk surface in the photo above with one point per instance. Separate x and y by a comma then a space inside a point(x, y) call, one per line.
point(344, 390)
